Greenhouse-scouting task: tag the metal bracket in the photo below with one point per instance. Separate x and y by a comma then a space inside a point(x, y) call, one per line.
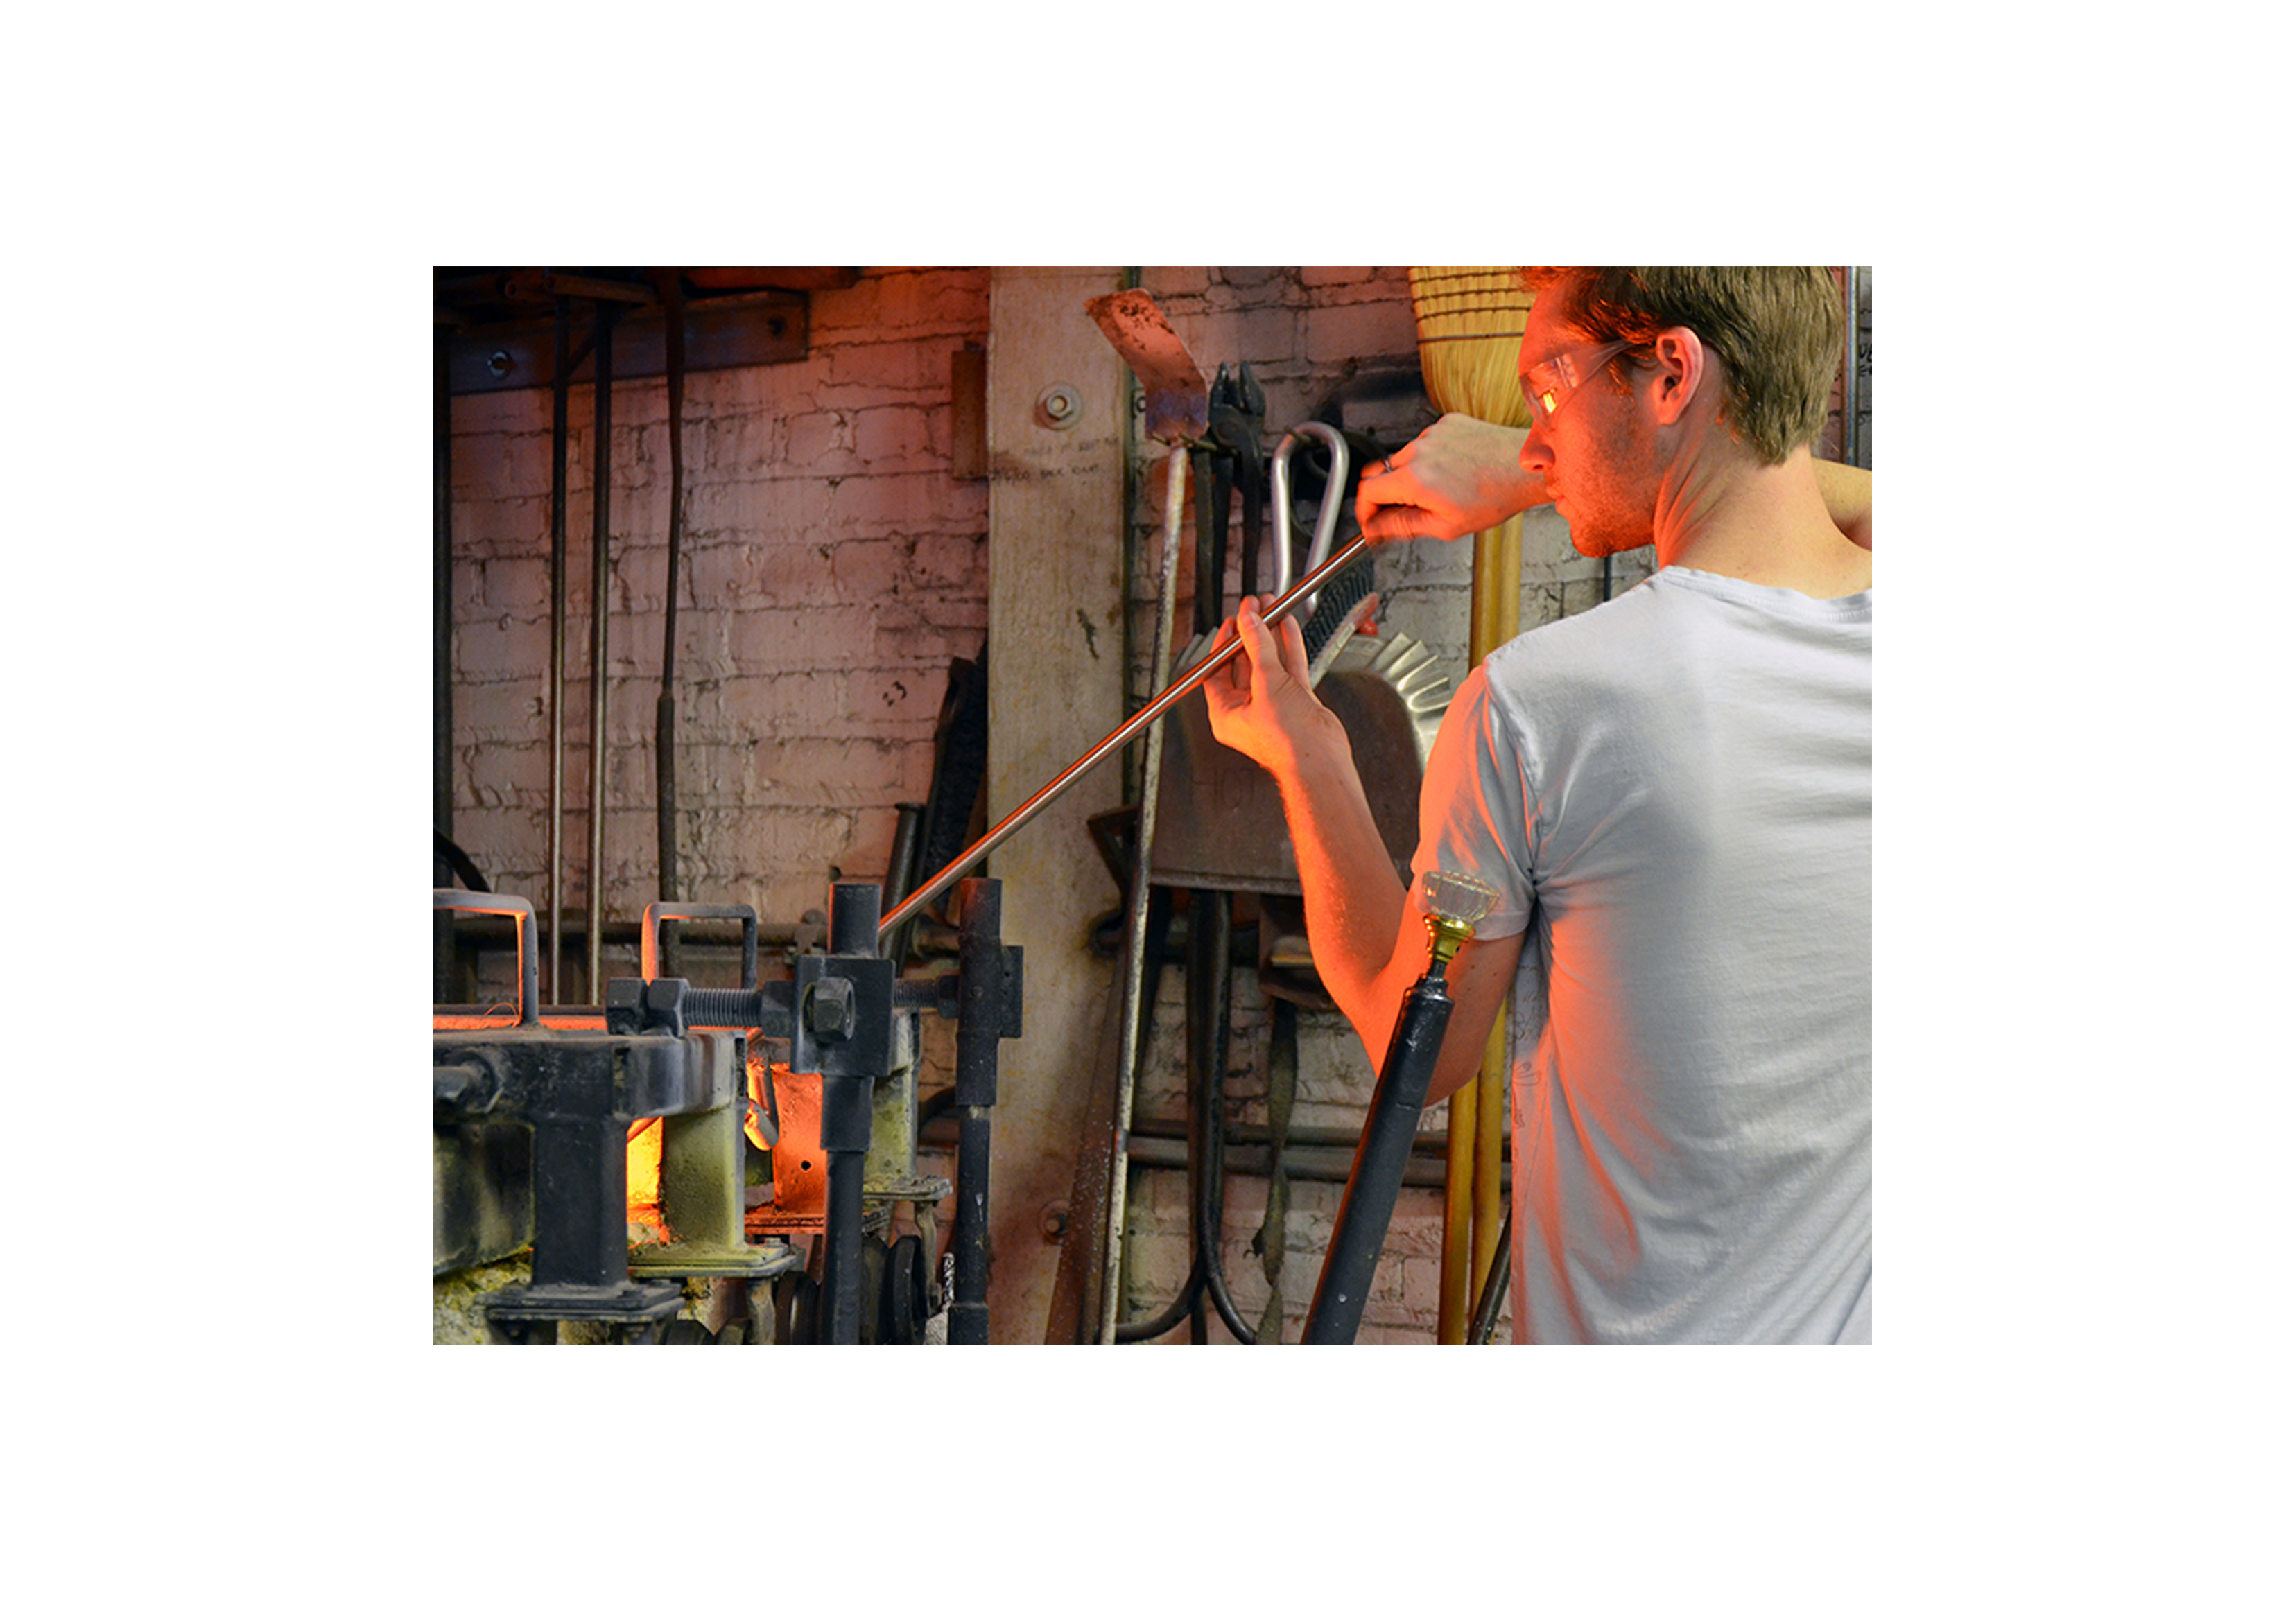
point(843, 1004)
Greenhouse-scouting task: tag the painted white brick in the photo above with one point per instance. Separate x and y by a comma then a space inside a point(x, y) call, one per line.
point(797, 639)
point(803, 703)
point(892, 438)
point(489, 711)
point(819, 443)
point(1341, 333)
point(515, 586)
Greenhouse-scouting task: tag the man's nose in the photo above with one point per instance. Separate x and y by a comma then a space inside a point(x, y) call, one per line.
point(1533, 456)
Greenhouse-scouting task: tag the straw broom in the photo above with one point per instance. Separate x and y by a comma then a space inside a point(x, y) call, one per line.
point(1468, 320)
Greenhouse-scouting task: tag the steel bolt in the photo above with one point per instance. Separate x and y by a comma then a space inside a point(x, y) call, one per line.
point(833, 1008)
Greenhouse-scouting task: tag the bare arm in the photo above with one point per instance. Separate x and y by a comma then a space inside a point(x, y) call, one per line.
point(1461, 475)
point(1457, 477)
point(1368, 943)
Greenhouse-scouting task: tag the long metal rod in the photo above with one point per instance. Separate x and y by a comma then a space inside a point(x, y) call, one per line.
point(444, 970)
point(559, 483)
point(1140, 906)
point(599, 609)
point(1495, 1288)
point(1277, 611)
point(671, 287)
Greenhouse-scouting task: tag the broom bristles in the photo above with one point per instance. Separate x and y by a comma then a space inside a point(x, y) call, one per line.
point(1468, 320)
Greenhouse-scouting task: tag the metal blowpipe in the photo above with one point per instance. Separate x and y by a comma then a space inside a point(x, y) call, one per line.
point(1274, 613)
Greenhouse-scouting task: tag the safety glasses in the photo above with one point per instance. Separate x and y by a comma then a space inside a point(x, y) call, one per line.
point(1550, 384)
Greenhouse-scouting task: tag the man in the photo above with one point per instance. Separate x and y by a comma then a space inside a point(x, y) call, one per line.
point(1671, 795)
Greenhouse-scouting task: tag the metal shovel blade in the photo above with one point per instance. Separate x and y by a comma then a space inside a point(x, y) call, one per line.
point(1175, 394)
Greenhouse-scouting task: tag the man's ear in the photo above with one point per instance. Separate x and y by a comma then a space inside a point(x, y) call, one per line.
point(1681, 364)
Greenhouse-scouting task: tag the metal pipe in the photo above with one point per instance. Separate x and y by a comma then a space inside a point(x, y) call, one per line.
point(1330, 505)
point(1364, 1219)
point(670, 288)
point(1216, 659)
point(846, 1121)
point(1320, 1164)
point(599, 622)
point(1139, 901)
point(560, 481)
point(846, 1132)
point(905, 852)
point(1496, 1286)
point(441, 674)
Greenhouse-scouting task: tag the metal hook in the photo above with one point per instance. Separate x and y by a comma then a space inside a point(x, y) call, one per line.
point(1330, 507)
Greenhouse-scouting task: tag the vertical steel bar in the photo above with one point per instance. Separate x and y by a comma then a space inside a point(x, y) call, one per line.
point(846, 1123)
point(845, 1130)
point(443, 938)
point(560, 481)
point(1139, 895)
point(905, 852)
point(670, 288)
point(600, 611)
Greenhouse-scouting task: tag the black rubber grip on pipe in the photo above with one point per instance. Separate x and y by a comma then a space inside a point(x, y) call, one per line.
point(1380, 1168)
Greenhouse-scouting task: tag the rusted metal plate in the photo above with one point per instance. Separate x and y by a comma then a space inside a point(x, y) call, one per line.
point(1175, 394)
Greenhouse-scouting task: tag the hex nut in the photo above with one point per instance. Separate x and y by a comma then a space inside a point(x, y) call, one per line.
point(1058, 407)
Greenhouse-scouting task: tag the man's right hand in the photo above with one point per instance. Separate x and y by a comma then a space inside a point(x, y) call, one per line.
point(1261, 703)
point(1459, 476)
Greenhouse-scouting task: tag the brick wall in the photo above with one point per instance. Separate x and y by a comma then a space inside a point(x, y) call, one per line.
point(832, 568)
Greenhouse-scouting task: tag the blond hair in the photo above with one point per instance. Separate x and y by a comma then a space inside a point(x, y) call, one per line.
point(1778, 330)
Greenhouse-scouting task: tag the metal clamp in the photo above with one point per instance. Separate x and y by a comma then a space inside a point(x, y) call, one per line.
point(656, 912)
point(528, 941)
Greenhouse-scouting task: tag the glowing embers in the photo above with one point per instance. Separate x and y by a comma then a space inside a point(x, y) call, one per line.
point(644, 1139)
point(796, 1194)
point(786, 1176)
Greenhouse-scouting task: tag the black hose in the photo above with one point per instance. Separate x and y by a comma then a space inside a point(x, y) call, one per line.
point(457, 861)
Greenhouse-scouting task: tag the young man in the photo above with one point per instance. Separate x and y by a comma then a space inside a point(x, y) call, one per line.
point(1671, 795)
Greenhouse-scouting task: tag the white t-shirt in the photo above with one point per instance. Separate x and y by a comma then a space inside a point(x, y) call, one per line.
point(1674, 792)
